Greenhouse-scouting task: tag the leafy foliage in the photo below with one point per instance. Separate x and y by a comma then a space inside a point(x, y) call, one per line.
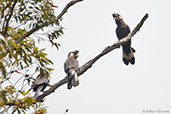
point(21, 61)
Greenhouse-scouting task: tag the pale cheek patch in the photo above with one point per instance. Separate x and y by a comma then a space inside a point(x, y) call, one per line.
point(120, 17)
point(71, 54)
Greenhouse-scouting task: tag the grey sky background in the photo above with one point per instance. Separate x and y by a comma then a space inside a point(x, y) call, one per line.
point(110, 87)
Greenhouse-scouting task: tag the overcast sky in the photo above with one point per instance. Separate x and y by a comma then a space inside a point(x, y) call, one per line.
point(110, 87)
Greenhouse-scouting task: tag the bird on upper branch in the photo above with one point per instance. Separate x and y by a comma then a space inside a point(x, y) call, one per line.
point(122, 31)
point(41, 82)
point(70, 67)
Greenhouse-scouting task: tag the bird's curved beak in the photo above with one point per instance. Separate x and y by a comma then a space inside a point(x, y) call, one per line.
point(114, 15)
point(76, 53)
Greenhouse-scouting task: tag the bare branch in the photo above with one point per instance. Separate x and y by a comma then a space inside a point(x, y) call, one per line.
point(10, 15)
point(67, 7)
point(137, 28)
point(28, 34)
point(71, 3)
point(88, 65)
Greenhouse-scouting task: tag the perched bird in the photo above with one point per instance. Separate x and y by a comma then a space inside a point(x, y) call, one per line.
point(122, 31)
point(41, 82)
point(70, 67)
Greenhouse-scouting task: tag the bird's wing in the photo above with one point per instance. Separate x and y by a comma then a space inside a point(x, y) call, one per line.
point(70, 64)
point(122, 31)
point(41, 80)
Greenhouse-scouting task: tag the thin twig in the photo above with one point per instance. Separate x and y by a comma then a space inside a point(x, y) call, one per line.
point(8, 19)
point(67, 7)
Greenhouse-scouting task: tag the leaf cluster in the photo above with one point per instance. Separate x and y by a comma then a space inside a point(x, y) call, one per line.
point(18, 18)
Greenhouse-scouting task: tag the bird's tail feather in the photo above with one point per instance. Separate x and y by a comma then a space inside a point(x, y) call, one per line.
point(129, 58)
point(69, 84)
point(75, 80)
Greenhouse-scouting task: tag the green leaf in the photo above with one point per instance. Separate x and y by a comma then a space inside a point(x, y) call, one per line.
point(3, 99)
point(42, 55)
point(49, 61)
point(28, 91)
point(2, 68)
point(23, 93)
point(14, 44)
point(50, 69)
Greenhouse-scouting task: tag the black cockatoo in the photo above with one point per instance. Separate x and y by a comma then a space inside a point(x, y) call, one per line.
point(41, 82)
point(70, 67)
point(122, 31)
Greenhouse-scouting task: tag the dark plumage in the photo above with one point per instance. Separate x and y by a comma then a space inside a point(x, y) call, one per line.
point(70, 67)
point(122, 31)
point(41, 82)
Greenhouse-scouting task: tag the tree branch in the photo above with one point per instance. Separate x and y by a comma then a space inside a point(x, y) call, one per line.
point(88, 65)
point(67, 7)
point(28, 34)
point(10, 15)
point(71, 3)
